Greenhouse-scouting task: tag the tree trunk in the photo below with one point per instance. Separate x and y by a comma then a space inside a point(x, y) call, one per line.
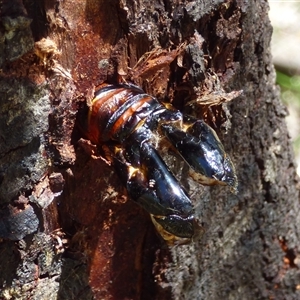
point(68, 229)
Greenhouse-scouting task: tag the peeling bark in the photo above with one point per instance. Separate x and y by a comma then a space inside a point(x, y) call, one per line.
point(68, 230)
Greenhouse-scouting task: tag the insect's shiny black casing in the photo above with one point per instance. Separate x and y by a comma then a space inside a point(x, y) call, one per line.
point(128, 121)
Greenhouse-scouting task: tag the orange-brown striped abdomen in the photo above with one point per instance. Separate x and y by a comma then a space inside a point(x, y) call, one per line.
point(116, 111)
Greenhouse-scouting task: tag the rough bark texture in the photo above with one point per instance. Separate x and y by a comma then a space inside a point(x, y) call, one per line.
point(68, 230)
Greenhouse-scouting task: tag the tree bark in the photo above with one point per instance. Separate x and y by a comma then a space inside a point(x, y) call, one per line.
point(68, 229)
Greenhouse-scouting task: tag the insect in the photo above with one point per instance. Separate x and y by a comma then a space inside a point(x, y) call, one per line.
point(128, 122)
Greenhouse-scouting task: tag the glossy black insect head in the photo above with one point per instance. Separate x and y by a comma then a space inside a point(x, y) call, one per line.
point(128, 121)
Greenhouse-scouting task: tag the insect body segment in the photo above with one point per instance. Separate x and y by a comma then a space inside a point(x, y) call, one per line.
point(150, 183)
point(200, 147)
point(128, 121)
